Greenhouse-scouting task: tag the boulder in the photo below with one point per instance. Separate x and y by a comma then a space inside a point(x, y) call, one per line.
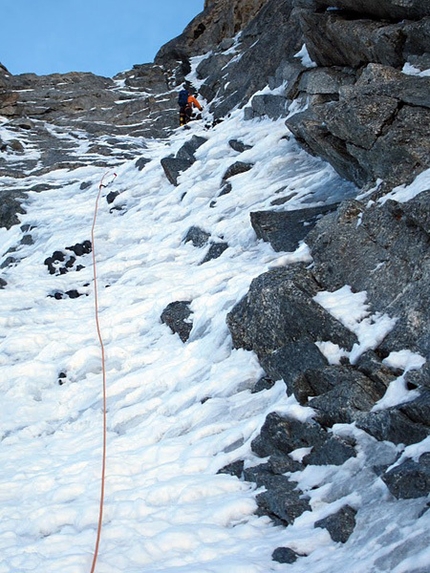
point(236, 169)
point(189, 148)
point(238, 145)
point(409, 479)
point(173, 167)
point(292, 361)
point(197, 236)
point(270, 105)
point(280, 436)
point(177, 316)
point(11, 207)
point(393, 425)
point(215, 251)
point(340, 525)
point(285, 555)
point(279, 309)
point(353, 393)
point(281, 500)
point(285, 229)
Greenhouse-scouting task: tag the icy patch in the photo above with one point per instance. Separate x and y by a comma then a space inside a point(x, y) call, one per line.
point(352, 311)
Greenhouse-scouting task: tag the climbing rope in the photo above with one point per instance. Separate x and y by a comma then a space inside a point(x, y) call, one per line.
point(102, 185)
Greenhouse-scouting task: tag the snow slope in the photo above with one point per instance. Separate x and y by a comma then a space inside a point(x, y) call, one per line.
point(176, 413)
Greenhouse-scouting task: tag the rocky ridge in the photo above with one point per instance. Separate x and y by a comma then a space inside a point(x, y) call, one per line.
point(358, 96)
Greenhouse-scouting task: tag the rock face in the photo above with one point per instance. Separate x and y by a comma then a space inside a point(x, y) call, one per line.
point(220, 21)
point(370, 121)
point(369, 126)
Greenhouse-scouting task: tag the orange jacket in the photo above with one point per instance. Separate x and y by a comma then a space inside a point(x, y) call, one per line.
point(193, 102)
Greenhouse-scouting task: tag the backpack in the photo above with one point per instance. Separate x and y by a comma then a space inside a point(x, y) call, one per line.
point(183, 98)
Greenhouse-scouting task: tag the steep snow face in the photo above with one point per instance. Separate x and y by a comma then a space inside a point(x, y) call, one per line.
point(176, 412)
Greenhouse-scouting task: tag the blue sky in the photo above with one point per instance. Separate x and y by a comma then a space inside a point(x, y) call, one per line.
point(100, 36)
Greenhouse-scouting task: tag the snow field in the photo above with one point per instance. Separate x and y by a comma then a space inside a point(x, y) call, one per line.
point(177, 413)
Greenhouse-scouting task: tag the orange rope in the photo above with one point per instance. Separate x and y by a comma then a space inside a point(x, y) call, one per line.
point(99, 334)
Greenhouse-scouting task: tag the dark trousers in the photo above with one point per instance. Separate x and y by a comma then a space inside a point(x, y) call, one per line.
point(185, 114)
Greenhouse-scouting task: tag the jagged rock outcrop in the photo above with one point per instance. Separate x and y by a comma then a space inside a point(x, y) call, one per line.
point(373, 126)
point(261, 51)
point(219, 22)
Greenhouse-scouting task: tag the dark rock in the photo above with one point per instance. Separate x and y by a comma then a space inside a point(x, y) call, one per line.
point(173, 167)
point(110, 197)
point(409, 479)
point(62, 376)
point(353, 394)
point(9, 261)
point(373, 130)
point(239, 146)
point(288, 75)
point(381, 250)
point(81, 248)
point(236, 169)
point(272, 106)
point(279, 309)
point(283, 506)
point(418, 410)
point(68, 261)
point(85, 185)
point(219, 22)
point(417, 38)
point(141, 162)
point(226, 189)
point(73, 293)
point(285, 229)
point(189, 148)
point(27, 240)
point(177, 316)
point(314, 382)
point(334, 39)
point(386, 9)
point(234, 469)
point(333, 451)
point(265, 383)
point(311, 132)
point(3, 283)
point(325, 80)
point(10, 208)
point(281, 501)
point(197, 236)
point(340, 525)
point(291, 360)
point(371, 366)
point(281, 464)
point(394, 426)
point(259, 59)
point(285, 555)
point(215, 251)
point(280, 435)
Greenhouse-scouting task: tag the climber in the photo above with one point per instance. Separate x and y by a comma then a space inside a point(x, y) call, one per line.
point(187, 102)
